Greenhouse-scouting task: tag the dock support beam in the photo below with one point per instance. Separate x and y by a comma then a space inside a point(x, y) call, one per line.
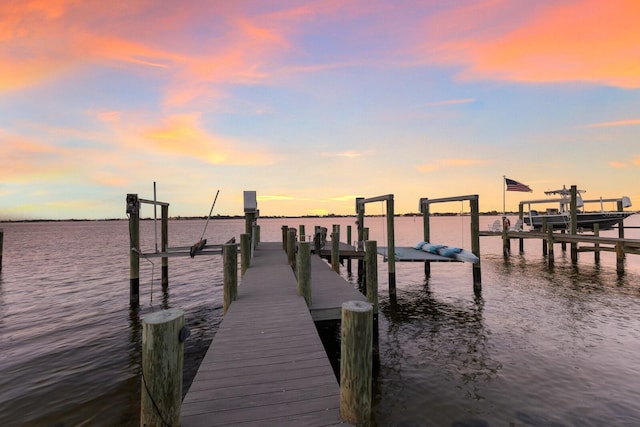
point(164, 244)
point(574, 222)
point(475, 243)
point(335, 248)
point(285, 234)
point(426, 231)
point(162, 363)
point(360, 230)
point(1, 246)
point(371, 266)
point(230, 275)
point(291, 246)
point(303, 265)
point(596, 246)
point(133, 209)
point(245, 253)
point(620, 257)
point(356, 363)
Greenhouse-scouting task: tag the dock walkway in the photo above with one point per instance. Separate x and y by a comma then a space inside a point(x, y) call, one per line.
point(266, 364)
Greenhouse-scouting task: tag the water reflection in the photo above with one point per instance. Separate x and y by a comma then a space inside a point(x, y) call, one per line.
point(424, 333)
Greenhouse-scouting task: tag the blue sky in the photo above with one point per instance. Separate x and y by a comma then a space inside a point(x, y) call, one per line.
point(313, 103)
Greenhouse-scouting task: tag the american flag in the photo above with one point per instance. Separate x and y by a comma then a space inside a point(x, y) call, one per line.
point(516, 186)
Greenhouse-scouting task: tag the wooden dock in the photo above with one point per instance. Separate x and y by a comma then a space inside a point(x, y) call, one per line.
point(266, 364)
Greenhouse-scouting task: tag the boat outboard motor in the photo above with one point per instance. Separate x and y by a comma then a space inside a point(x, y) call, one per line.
point(626, 202)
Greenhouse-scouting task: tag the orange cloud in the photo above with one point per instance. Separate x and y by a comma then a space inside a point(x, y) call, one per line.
point(350, 154)
point(24, 158)
point(181, 134)
point(591, 40)
point(615, 123)
point(618, 165)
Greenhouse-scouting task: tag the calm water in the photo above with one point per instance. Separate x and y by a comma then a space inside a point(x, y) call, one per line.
point(541, 346)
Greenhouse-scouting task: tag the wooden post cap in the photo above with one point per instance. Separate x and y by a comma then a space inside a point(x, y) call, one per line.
point(163, 316)
point(357, 306)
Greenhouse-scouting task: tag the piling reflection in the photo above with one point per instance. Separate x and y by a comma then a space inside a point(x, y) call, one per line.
point(423, 331)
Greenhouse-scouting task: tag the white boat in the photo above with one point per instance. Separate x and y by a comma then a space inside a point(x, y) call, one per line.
point(458, 254)
point(560, 218)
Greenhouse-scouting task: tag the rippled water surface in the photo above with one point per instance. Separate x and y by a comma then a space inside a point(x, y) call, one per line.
point(539, 346)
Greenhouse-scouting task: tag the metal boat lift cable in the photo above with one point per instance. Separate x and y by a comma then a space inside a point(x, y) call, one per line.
point(209, 217)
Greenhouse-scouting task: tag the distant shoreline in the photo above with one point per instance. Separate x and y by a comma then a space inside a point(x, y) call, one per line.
point(225, 217)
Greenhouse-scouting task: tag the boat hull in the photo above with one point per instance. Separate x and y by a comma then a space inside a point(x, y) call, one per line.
point(586, 221)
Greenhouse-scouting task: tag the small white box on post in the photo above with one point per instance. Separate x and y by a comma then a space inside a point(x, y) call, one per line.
point(250, 202)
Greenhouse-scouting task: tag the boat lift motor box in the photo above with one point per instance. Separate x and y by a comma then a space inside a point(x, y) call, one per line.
point(250, 202)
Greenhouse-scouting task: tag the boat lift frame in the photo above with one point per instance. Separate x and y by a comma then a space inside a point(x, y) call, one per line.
point(473, 199)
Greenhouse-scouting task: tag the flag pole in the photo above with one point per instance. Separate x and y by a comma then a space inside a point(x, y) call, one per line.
point(504, 209)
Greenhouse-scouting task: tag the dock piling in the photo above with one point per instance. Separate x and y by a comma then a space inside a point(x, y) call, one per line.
point(549, 243)
point(596, 246)
point(371, 267)
point(620, 257)
point(245, 253)
point(356, 362)
point(1, 246)
point(230, 275)
point(335, 248)
point(303, 265)
point(164, 244)
point(291, 246)
point(162, 363)
point(133, 209)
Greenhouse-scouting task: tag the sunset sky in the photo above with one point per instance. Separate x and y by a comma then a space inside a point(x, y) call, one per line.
point(313, 103)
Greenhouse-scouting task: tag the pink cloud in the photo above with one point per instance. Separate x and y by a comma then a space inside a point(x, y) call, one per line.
point(631, 122)
point(592, 40)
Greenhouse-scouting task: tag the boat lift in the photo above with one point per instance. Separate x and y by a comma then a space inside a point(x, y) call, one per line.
point(393, 253)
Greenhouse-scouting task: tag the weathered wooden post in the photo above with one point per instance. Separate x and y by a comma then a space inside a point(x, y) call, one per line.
point(133, 210)
point(335, 250)
point(291, 246)
point(391, 245)
point(545, 227)
point(521, 218)
point(549, 242)
point(360, 229)
point(164, 244)
point(574, 222)
point(371, 267)
point(245, 253)
point(620, 224)
point(317, 240)
point(285, 234)
point(1, 246)
point(163, 334)
point(596, 246)
point(256, 234)
point(230, 275)
point(475, 242)
point(620, 257)
point(426, 229)
point(302, 237)
point(349, 242)
point(356, 362)
point(303, 265)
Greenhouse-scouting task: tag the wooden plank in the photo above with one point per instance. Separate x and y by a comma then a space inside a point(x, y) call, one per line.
point(328, 291)
point(266, 364)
